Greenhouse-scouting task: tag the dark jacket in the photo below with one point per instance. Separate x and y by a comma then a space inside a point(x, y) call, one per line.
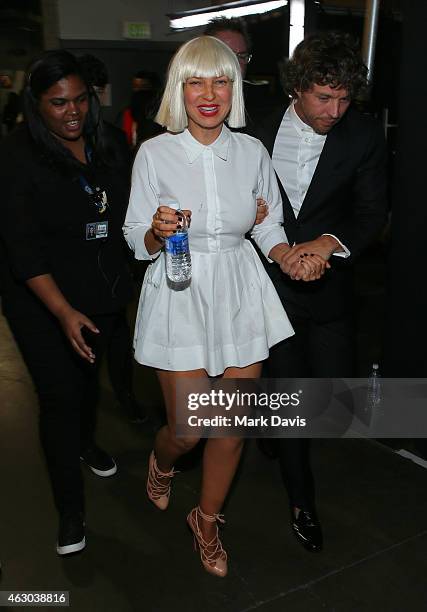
point(44, 211)
point(346, 198)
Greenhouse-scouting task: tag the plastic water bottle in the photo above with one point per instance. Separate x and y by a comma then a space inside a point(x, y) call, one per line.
point(178, 258)
point(374, 388)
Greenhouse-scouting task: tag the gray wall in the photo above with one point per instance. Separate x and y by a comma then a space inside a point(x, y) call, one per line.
point(102, 19)
point(122, 61)
point(95, 26)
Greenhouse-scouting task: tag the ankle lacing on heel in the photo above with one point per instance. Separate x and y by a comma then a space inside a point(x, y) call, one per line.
point(212, 554)
point(158, 491)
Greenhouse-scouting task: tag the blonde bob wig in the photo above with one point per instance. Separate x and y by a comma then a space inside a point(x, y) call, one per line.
point(203, 57)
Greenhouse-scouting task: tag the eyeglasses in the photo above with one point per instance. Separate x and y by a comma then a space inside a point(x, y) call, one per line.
point(244, 57)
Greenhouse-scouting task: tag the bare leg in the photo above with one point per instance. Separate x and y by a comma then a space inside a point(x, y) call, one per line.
point(220, 460)
point(167, 447)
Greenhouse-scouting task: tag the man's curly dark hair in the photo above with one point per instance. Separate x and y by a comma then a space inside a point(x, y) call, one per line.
point(327, 58)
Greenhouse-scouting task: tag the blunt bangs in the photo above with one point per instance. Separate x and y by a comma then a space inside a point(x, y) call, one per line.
point(204, 57)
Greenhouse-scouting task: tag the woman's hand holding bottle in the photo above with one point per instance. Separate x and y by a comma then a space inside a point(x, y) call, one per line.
point(167, 220)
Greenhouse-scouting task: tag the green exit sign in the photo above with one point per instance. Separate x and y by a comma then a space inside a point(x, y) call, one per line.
point(136, 30)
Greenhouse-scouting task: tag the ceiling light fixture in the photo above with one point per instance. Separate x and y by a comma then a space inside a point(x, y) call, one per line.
point(200, 17)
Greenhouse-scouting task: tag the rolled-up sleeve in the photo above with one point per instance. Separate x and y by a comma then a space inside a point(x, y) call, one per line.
point(143, 203)
point(270, 232)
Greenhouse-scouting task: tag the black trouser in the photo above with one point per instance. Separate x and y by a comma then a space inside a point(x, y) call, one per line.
point(317, 350)
point(120, 358)
point(67, 389)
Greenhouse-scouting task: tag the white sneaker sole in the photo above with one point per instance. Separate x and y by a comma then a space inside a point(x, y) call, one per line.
point(71, 548)
point(102, 473)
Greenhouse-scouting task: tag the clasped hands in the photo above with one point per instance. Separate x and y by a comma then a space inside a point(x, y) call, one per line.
point(308, 261)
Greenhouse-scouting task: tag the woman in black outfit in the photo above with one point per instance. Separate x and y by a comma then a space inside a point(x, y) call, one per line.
point(64, 178)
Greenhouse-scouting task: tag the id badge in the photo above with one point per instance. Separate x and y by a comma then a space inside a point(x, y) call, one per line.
point(98, 229)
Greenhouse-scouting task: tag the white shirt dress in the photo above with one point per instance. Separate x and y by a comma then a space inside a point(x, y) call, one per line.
point(230, 314)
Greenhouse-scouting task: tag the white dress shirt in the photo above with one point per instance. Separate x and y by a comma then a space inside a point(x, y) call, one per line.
point(296, 152)
point(218, 182)
point(230, 314)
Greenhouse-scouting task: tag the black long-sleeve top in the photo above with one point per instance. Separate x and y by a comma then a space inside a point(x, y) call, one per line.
point(44, 212)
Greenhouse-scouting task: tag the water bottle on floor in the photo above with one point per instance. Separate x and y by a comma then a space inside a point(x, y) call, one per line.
point(178, 258)
point(374, 388)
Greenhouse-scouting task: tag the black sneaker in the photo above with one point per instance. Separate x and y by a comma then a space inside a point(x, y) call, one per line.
point(99, 461)
point(71, 535)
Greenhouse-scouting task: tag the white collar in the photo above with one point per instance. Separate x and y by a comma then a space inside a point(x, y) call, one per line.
point(298, 123)
point(193, 148)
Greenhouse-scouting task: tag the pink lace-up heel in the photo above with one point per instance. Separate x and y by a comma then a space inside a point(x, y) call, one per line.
point(212, 554)
point(157, 489)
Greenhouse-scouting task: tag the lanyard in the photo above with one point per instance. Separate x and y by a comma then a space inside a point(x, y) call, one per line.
point(97, 196)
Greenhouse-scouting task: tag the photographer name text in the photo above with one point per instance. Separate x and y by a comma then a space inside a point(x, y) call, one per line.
point(273, 420)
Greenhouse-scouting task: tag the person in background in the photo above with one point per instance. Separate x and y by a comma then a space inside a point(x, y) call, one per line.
point(225, 320)
point(96, 73)
point(5, 90)
point(258, 99)
point(65, 278)
point(232, 32)
point(11, 111)
point(330, 161)
point(137, 120)
point(11, 85)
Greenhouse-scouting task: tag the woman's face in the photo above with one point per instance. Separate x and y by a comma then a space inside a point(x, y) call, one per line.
point(63, 108)
point(207, 103)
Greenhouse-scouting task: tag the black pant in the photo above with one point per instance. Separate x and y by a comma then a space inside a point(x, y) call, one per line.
point(67, 389)
point(120, 358)
point(317, 350)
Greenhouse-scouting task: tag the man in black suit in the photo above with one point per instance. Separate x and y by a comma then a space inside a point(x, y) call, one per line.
point(330, 163)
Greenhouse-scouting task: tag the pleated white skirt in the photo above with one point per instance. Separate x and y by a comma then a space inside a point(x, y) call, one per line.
point(229, 315)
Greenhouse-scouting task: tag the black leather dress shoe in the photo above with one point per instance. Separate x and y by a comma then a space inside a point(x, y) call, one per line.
point(307, 530)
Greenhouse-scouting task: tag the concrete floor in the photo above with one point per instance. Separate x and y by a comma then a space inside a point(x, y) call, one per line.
point(372, 502)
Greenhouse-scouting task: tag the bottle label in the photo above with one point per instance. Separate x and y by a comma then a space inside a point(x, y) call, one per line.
point(177, 244)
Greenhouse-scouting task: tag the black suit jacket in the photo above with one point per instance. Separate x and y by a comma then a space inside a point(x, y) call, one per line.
point(346, 198)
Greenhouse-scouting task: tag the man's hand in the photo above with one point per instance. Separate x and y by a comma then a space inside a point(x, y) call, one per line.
point(307, 267)
point(308, 261)
point(323, 246)
point(261, 210)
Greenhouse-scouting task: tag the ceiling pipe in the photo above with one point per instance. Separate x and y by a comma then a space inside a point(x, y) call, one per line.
point(370, 35)
point(296, 23)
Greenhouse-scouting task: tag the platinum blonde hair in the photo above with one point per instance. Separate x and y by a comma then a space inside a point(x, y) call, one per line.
point(204, 57)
